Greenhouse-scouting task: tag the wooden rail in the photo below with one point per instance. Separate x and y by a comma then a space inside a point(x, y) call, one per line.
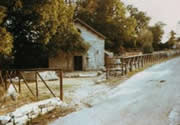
point(12, 73)
point(116, 66)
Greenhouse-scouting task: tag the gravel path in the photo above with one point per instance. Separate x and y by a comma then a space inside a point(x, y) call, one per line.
point(151, 97)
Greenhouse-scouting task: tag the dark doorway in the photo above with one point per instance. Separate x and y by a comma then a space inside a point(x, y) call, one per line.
point(78, 63)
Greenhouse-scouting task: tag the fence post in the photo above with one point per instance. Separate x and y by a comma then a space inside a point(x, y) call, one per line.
point(19, 82)
point(122, 65)
point(37, 90)
point(131, 64)
point(2, 80)
point(107, 65)
point(139, 61)
point(61, 85)
point(142, 61)
point(125, 60)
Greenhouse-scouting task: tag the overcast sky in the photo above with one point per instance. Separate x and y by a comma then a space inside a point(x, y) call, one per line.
point(167, 11)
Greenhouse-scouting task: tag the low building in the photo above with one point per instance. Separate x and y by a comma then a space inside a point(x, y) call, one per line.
point(92, 60)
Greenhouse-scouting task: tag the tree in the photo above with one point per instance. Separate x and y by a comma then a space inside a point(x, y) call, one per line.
point(142, 19)
point(67, 40)
point(172, 40)
point(6, 38)
point(33, 24)
point(5, 42)
point(145, 41)
point(157, 31)
point(109, 18)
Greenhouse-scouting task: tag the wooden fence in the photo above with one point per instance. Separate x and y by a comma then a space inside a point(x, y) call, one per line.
point(119, 66)
point(9, 74)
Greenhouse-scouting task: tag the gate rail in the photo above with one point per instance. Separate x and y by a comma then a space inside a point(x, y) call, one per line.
point(11, 73)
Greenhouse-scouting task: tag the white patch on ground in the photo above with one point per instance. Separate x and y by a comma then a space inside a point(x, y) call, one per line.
point(30, 111)
point(11, 92)
point(87, 93)
point(49, 75)
point(174, 116)
point(82, 74)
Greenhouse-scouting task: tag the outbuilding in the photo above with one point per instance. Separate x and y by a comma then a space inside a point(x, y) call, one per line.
point(92, 60)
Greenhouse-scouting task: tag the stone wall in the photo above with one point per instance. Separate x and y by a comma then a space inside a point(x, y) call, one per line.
point(62, 61)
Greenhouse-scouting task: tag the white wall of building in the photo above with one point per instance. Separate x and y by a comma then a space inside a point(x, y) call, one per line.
point(95, 54)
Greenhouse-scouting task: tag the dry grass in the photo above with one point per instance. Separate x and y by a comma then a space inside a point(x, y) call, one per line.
point(25, 97)
point(2, 92)
point(114, 81)
point(51, 116)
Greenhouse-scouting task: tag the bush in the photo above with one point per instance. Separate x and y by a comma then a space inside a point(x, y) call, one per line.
point(148, 49)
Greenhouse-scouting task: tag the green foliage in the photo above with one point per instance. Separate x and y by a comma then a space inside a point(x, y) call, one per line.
point(172, 40)
point(52, 14)
point(142, 19)
point(157, 31)
point(6, 41)
point(145, 41)
point(147, 48)
point(6, 38)
point(35, 25)
point(2, 13)
point(68, 40)
point(109, 18)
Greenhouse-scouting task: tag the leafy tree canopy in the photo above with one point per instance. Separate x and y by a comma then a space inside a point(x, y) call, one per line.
point(157, 31)
point(145, 41)
point(6, 38)
point(109, 18)
point(35, 25)
point(5, 42)
point(142, 19)
point(172, 40)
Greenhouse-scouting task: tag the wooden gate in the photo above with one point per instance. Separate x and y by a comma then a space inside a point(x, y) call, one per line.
point(8, 74)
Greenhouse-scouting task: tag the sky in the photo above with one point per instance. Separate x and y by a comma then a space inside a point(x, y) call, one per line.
point(167, 11)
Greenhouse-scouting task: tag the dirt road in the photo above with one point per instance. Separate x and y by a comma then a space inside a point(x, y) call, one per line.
point(151, 97)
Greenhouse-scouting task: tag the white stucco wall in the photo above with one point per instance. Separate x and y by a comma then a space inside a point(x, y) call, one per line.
point(95, 54)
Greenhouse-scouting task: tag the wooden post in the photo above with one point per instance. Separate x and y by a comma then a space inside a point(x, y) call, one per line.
point(8, 75)
point(147, 59)
point(139, 61)
point(45, 84)
point(26, 83)
point(19, 82)
point(107, 69)
point(131, 64)
point(61, 85)
point(5, 80)
point(136, 63)
point(125, 63)
point(142, 61)
point(2, 80)
point(37, 90)
point(122, 66)
point(128, 64)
